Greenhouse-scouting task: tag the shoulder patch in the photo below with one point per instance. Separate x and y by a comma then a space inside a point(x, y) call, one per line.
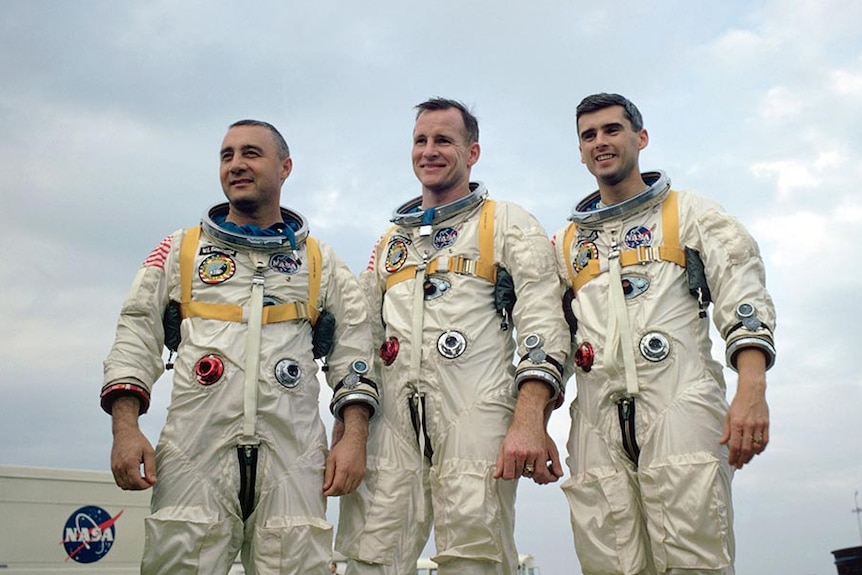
point(157, 257)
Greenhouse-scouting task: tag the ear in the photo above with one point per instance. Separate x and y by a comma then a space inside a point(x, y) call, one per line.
point(473, 153)
point(286, 168)
point(643, 139)
point(581, 150)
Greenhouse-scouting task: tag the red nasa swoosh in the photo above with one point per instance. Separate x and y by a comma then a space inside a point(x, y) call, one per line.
point(106, 525)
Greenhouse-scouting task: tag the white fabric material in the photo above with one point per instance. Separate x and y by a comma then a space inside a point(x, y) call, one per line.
point(196, 524)
point(384, 526)
point(673, 510)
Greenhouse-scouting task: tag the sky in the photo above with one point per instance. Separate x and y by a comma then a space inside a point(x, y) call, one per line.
point(111, 117)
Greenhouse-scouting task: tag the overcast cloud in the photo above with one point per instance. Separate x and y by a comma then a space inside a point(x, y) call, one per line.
point(111, 116)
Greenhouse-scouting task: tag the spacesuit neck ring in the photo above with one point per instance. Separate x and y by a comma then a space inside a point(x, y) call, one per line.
point(591, 211)
point(245, 241)
point(411, 214)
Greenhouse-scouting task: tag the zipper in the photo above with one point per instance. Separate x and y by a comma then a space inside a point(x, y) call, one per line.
point(626, 412)
point(416, 402)
point(247, 478)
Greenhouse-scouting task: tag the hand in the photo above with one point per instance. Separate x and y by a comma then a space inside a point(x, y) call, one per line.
point(131, 448)
point(345, 466)
point(527, 449)
point(746, 425)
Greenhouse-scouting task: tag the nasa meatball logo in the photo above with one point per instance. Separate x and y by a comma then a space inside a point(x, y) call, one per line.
point(89, 534)
point(639, 236)
point(285, 264)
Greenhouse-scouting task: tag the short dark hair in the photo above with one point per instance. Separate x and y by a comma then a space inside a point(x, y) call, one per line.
point(280, 143)
point(471, 124)
point(603, 100)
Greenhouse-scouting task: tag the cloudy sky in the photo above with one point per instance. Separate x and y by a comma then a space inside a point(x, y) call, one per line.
point(111, 116)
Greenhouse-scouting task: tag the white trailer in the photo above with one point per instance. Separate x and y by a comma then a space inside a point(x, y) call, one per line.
point(65, 520)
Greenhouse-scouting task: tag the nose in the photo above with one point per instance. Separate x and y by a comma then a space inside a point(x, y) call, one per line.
point(429, 150)
point(237, 164)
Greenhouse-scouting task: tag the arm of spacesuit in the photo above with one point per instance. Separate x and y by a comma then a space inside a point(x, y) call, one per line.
point(543, 345)
point(745, 316)
point(349, 362)
point(135, 359)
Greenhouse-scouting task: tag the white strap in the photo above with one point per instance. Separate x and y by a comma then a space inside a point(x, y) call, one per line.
point(619, 330)
point(252, 358)
point(415, 369)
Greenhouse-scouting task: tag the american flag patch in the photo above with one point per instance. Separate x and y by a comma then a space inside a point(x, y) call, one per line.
point(374, 254)
point(157, 257)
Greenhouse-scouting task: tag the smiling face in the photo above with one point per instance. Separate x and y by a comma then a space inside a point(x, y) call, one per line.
point(442, 156)
point(252, 173)
point(609, 148)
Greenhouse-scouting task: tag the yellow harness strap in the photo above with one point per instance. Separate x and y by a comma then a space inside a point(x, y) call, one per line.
point(668, 251)
point(483, 267)
point(229, 312)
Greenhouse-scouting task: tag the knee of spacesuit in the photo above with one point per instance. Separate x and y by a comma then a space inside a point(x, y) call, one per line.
point(606, 521)
point(379, 523)
point(291, 545)
point(473, 512)
point(189, 540)
point(691, 527)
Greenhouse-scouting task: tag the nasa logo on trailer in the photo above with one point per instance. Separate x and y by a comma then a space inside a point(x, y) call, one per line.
point(89, 534)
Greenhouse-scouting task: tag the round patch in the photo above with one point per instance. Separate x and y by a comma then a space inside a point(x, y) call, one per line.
point(284, 263)
point(396, 255)
point(654, 346)
point(216, 268)
point(89, 534)
point(586, 251)
point(639, 236)
point(444, 238)
point(209, 369)
point(451, 344)
point(288, 373)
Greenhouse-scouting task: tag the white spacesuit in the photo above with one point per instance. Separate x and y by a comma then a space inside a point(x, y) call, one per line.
point(241, 458)
point(449, 385)
point(650, 483)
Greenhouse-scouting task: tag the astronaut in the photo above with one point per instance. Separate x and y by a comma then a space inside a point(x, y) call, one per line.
point(451, 281)
point(653, 443)
point(247, 300)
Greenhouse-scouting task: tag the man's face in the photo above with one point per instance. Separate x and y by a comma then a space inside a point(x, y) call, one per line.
point(251, 171)
point(442, 157)
point(609, 145)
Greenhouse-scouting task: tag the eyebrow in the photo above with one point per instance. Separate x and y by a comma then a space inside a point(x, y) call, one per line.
point(603, 127)
point(243, 148)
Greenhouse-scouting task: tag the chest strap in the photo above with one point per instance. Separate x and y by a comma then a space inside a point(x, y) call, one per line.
point(229, 312)
point(483, 267)
point(668, 251)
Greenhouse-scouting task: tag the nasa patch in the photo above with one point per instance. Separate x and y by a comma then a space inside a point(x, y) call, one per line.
point(639, 236)
point(396, 255)
point(586, 252)
point(216, 268)
point(283, 263)
point(444, 238)
point(89, 534)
